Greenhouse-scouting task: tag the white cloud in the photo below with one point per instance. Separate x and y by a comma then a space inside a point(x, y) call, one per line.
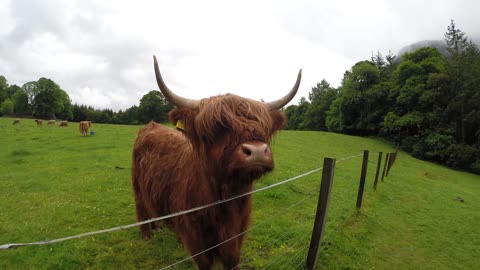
point(100, 52)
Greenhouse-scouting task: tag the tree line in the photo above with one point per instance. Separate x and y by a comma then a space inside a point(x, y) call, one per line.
point(426, 102)
point(45, 99)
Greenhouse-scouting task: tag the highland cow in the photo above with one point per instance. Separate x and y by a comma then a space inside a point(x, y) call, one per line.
point(84, 126)
point(222, 149)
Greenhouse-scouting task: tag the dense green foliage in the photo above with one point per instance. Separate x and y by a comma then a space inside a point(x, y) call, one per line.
point(55, 183)
point(427, 103)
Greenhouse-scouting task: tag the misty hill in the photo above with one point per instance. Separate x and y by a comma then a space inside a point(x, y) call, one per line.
point(438, 44)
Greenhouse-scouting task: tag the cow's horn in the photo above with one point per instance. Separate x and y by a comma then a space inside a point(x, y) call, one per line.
point(169, 95)
point(277, 104)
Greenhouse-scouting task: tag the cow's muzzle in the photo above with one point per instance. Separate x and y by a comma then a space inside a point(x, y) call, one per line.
point(255, 154)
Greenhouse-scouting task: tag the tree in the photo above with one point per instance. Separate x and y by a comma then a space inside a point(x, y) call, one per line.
point(359, 99)
point(31, 90)
point(6, 107)
point(455, 38)
point(320, 98)
point(296, 114)
point(153, 106)
point(334, 118)
point(3, 89)
point(463, 71)
point(50, 100)
point(20, 100)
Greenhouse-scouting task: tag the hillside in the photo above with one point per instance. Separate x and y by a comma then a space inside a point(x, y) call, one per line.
point(54, 183)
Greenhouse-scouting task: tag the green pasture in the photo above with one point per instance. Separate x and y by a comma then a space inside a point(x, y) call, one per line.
point(55, 183)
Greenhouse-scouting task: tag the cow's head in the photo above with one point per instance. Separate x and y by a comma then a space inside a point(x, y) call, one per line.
point(229, 133)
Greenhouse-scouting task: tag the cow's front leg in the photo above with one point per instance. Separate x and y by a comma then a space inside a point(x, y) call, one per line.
point(229, 254)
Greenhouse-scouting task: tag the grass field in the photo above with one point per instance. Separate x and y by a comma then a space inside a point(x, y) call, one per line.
point(54, 183)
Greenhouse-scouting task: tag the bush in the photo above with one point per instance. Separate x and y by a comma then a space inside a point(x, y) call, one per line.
point(6, 107)
point(461, 156)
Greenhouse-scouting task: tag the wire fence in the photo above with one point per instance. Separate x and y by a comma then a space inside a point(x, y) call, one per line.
point(296, 248)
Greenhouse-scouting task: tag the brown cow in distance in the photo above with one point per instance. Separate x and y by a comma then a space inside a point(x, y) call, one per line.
point(223, 148)
point(39, 122)
point(63, 123)
point(84, 126)
point(51, 122)
point(16, 121)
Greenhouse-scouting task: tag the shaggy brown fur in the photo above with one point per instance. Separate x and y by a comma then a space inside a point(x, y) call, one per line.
point(84, 126)
point(39, 122)
point(174, 171)
point(63, 124)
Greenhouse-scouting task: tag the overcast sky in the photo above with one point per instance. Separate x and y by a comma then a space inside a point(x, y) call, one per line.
point(101, 52)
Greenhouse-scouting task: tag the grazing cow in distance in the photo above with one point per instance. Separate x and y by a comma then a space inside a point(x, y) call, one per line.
point(39, 122)
point(16, 121)
point(63, 123)
point(223, 148)
point(84, 126)
point(51, 122)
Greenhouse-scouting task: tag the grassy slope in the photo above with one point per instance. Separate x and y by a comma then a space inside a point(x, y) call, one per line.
point(54, 183)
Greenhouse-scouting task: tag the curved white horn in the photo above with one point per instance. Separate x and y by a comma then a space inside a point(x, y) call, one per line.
point(169, 95)
point(277, 104)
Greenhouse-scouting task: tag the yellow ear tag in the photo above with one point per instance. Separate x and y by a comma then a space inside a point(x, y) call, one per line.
point(180, 125)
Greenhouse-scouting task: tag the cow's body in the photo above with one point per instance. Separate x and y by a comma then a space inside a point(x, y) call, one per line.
point(63, 123)
point(39, 122)
point(167, 178)
point(51, 122)
point(84, 126)
point(221, 150)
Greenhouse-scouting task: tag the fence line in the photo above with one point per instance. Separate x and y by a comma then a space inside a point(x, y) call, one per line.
point(45, 242)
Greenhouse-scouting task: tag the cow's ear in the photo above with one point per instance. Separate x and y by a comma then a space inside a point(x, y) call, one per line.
point(182, 119)
point(279, 121)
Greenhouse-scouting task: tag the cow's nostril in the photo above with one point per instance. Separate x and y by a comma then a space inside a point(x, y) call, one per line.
point(246, 150)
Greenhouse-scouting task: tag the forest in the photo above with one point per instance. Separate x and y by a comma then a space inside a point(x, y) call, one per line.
point(426, 102)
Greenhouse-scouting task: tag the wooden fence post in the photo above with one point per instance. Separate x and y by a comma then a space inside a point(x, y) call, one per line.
point(391, 159)
point(322, 210)
point(385, 165)
point(362, 179)
point(379, 164)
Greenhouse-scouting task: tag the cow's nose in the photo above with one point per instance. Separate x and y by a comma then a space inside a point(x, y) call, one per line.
point(257, 154)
